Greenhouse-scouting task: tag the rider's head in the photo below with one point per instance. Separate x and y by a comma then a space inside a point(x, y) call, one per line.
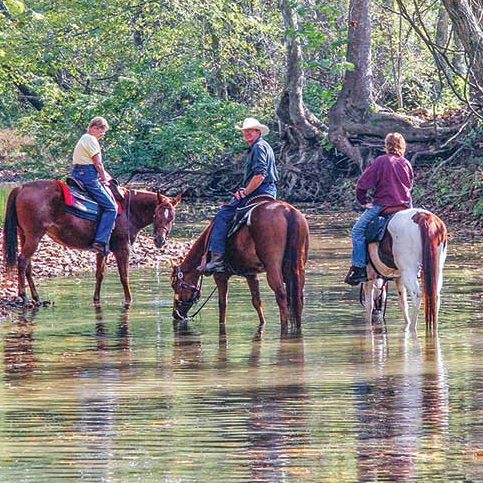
point(98, 127)
point(395, 144)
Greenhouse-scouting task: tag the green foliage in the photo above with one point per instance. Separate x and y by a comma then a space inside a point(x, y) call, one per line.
point(172, 80)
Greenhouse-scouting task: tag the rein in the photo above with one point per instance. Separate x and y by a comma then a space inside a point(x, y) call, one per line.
point(195, 291)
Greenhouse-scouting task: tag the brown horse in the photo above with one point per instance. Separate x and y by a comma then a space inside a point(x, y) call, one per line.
point(275, 242)
point(37, 208)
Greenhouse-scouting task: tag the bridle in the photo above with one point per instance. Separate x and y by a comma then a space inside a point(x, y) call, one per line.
point(178, 283)
point(165, 228)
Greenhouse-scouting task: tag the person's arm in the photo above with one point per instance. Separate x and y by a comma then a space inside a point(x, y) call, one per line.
point(260, 172)
point(253, 185)
point(104, 176)
point(367, 182)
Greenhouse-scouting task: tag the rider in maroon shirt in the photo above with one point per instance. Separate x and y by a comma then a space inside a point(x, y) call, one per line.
point(389, 179)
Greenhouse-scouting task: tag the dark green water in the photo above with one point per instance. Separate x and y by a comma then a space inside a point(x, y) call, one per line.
point(127, 396)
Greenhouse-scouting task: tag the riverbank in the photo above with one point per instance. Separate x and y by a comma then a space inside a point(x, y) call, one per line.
point(53, 260)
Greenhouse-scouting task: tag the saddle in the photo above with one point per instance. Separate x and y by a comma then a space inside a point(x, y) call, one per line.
point(379, 242)
point(79, 203)
point(243, 215)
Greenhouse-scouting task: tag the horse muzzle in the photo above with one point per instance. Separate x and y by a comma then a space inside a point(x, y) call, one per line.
point(160, 241)
point(181, 309)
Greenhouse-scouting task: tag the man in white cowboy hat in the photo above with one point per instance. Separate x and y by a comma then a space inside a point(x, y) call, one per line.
point(260, 178)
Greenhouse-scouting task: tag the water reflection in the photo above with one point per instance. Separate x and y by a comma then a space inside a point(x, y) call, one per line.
point(98, 396)
point(187, 348)
point(277, 422)
point(18, 352)
point(396, 411)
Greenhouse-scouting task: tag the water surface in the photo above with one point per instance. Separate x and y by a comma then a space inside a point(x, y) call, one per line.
point(115, 395)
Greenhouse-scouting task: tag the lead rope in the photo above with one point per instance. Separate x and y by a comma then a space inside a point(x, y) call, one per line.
point(207, 299)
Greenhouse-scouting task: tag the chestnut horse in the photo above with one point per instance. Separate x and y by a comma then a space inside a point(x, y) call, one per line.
point(275, 241)
point(37, 208)
point(415, 242)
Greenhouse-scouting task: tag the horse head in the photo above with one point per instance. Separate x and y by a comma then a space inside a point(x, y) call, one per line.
point(187, 291)
point(163, 220)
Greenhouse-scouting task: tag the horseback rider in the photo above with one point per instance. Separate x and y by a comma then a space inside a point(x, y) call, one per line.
point(89, 169)
point(260, 178)
point(390, 179)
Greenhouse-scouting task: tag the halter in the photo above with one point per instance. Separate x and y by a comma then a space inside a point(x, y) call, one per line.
point(179, 283)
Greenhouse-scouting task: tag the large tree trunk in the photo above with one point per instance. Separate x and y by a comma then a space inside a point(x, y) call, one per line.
point(466, 16)
point(355, 100)
point(301, 130)
point(356, 124)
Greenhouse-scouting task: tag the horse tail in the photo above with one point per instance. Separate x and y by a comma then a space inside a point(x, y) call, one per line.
point(295, 257)
point(10, 240)
point(434, 238)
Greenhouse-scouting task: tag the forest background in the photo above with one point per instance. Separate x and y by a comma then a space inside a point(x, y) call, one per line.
point(331, 78)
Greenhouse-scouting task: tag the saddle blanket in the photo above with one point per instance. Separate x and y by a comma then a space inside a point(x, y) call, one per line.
point(79, 203)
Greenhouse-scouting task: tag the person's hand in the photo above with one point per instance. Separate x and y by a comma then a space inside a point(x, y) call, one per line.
point(106, 179)
point(240, 194)
point(368, 206)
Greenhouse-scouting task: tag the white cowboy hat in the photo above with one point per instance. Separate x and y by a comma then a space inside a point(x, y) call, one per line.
point(252, 123)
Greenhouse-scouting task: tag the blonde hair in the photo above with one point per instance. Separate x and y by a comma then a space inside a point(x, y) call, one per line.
point(98, 121)
point(395, 143)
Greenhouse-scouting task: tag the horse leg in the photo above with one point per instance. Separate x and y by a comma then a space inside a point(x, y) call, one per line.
point(403, 301)
point(254, 285)
point(275, 280)
point(30, 280)
point(100, 268)
point(368, 291)
point(122, 261)
point(221, 281)
point(29, 247)
point(411, 283)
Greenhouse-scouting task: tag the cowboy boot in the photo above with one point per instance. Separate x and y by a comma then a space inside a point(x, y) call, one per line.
point(216, 264)
point(356, 275)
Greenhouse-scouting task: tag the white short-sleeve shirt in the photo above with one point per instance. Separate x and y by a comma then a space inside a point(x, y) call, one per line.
point(87, 147)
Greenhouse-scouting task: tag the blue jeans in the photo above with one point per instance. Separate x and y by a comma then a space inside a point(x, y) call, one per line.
point(226, 214)
point(107, 205)
point(359, 249)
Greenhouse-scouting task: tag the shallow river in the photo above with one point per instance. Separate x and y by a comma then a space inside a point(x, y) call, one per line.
point(126, 396)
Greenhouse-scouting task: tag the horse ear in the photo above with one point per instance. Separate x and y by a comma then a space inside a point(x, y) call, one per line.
point(175, 201)
point(161, 197)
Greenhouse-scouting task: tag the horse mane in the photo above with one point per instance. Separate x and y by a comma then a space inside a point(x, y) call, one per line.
point(193, 258)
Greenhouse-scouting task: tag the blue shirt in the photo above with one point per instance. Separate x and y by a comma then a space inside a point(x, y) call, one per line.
point(260, 160)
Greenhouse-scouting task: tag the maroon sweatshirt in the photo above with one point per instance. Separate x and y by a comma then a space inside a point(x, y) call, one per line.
point(390, 178)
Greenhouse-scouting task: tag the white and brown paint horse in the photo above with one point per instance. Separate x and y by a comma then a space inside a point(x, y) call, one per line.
point(415, 244)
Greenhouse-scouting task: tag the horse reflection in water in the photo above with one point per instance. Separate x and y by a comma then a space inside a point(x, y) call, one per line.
point(18, 351)
point(396, 412)
point(277, 426)
point(98, 386)
point(187, 348)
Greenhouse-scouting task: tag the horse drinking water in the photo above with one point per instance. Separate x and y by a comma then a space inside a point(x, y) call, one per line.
point(275, 241)
point(415, 243)
point(37, 208)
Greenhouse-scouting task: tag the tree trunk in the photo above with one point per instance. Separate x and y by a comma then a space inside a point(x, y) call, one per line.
point(301, 130)
point(466, 16)
point(356, 124)
point(355, 100)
